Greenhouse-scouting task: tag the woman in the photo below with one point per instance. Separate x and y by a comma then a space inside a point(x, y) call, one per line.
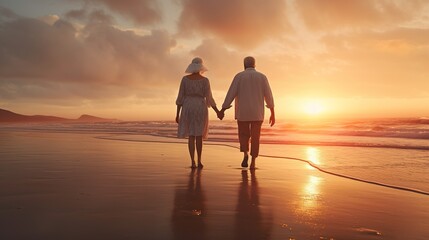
point(194, 97)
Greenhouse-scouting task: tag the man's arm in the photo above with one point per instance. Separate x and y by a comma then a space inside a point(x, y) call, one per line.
point(272, 117)
point(230, 96)
point(268, 95)
point(269, 99)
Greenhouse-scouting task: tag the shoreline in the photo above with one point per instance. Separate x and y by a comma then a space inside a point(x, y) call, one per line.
point(117, 189)
point(305, 161)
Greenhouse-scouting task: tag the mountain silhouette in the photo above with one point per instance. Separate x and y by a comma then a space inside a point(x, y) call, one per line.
point(89, 118)
point(11, 117)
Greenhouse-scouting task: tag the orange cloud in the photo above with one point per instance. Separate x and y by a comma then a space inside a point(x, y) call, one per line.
point(345, 49)
point(243, 23)
point(379, 64)
point(334, 14)
point(222, 63)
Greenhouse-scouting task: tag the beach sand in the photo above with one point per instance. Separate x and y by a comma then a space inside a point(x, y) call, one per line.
point(78, 186)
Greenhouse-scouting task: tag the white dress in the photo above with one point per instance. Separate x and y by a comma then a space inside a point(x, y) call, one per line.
point(195, 97)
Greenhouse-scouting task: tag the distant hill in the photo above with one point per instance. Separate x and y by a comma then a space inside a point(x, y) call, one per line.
point(89, 118)
point(11, 117)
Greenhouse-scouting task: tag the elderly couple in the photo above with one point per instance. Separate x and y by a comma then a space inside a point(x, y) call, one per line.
point(249, 88)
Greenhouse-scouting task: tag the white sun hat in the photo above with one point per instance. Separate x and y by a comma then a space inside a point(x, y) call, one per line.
point(196, 66)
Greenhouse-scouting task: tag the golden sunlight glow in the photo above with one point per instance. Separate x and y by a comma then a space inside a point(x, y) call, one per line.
point(313, 156)
point(311, 189)
point(310, 197)
point(313, 107)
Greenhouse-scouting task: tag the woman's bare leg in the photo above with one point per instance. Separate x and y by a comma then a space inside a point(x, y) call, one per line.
point(191, 148)
point(199, 143)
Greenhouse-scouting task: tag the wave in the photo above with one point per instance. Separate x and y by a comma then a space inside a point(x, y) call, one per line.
point(365, 135)
point(337, 144)
point(377, 131)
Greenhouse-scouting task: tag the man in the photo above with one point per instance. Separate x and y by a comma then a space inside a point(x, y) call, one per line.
point(250, 89)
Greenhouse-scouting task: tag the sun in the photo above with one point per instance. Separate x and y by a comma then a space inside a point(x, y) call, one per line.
point(313, 107)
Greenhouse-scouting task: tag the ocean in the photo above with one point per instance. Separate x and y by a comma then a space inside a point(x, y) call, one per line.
point(388, 152)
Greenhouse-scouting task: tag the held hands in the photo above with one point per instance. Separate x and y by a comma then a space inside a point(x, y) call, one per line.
point(221, 113)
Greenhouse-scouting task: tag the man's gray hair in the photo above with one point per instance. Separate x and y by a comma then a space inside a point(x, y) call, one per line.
point(249, 62)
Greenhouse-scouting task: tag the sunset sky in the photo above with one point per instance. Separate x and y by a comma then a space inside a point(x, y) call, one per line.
point(125, 59)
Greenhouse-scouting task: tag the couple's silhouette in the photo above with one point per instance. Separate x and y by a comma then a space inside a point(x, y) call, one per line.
point(249, 88)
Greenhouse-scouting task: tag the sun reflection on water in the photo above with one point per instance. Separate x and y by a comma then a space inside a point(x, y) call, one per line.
point(313, 156)
point(310, 192)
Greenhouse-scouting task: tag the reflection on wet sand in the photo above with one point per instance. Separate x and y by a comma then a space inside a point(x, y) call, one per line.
point(310, 196)
point(311, 191)
point(250, 222)
point(188, 218)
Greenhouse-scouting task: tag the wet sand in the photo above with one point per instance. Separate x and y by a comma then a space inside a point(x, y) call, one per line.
point(76, 186)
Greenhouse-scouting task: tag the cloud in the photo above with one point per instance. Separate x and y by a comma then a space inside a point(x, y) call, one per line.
point(362, 64)
point(50, 19)
point(77, 14)
point(94, 16)
point(243, 23)
point(368, 49)
point(97, 61)
point(337, 14)
point(6, 13)
point(140, 11)
point(378, 64)
point(222, 63)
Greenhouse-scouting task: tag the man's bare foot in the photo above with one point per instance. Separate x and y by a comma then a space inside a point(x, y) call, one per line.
point(253, 164)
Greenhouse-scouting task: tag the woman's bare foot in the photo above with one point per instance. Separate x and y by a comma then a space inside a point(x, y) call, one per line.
point(200, 165)
point(193, 165)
